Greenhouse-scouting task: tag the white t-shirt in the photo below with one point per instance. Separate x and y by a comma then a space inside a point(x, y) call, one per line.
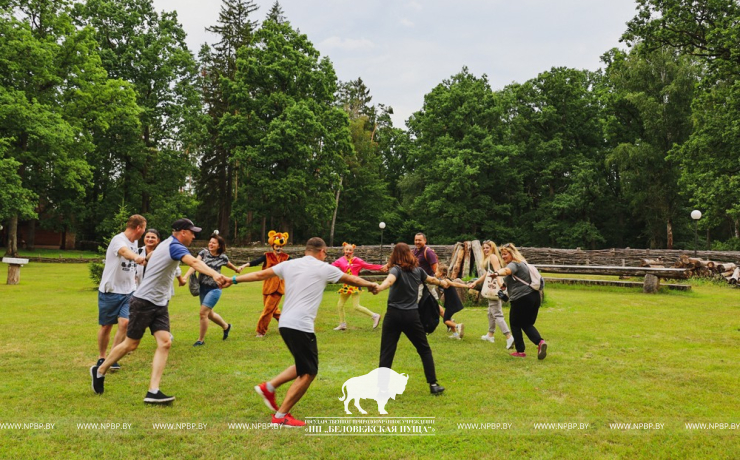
point(141, 269)
point(118, 274)
point(305, 280)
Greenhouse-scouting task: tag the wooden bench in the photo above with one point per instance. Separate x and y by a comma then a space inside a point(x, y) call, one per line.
point(632, 284)
point(652, 274)
point(14, 268)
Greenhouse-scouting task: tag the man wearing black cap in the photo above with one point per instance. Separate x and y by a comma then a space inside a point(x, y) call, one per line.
point(148, 307)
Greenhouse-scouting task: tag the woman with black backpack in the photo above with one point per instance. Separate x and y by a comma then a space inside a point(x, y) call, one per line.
point(402, 316)
point(525, 301)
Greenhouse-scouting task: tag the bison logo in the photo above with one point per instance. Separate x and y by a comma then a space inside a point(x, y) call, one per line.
point(381, 385)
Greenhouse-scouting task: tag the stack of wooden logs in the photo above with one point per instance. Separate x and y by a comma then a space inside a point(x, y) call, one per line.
point(701, 268)
point(467, 261)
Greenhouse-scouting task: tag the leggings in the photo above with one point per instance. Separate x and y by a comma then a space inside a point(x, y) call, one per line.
point(355, 303)
point(522, 316)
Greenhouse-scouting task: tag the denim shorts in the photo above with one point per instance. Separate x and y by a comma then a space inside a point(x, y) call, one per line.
point(209, 296)
point(111, 307)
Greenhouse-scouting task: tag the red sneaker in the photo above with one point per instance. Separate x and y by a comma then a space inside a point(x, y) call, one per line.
point(542, 350)
point(267, 396)
point(288, 421)
point(516, 354)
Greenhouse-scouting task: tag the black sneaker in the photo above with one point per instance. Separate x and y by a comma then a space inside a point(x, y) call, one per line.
point(158, 398)
point(436, 388)
point(115, 367)
point(100, 361)
point(199, 343)
point(98, 383)
point(226, 332)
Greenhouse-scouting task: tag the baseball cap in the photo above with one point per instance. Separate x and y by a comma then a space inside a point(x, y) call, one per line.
point(185, 224)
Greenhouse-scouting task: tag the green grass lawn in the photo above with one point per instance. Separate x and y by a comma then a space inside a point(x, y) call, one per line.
point(616, 356)
point(59, 254)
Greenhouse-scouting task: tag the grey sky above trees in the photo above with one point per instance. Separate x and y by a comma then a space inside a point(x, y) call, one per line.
point(403, 49)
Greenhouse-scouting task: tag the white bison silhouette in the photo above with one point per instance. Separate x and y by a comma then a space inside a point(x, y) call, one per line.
point(381, 385)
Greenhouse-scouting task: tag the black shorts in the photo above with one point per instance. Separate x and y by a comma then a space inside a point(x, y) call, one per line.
point(144, 314)
point(302, 346)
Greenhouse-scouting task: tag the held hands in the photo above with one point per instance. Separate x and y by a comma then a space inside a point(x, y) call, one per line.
point(222, 281)
point(374, 289)
point(140, 259)
point(444, 283)
point(181, 281)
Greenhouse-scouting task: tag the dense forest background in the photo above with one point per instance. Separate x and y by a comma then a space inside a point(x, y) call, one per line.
point(104, 112)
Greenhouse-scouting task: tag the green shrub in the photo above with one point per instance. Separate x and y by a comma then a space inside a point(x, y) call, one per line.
point(96, 271)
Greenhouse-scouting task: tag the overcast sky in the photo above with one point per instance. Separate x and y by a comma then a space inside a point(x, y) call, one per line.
point(403, 48)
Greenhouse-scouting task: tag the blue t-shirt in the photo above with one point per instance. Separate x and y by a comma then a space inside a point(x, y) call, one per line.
point(156, 285)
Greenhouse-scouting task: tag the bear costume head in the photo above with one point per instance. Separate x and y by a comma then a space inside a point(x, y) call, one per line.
point(277, 240)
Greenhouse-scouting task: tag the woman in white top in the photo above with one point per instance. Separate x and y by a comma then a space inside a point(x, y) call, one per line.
point(495, 311)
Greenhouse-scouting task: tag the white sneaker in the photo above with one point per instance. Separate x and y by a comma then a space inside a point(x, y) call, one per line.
point(376, 320)
point(454, 336)
point(460, 330)
point(341, 327)
point(487, 338)
point(509, 342)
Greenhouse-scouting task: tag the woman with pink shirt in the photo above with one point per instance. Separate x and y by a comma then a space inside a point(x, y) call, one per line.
point(352, 265)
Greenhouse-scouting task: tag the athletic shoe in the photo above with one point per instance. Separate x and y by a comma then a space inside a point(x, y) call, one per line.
point(199, 343)
point(510, 343)
point(98, 383)
point(259, 336)
point(376, 320)
point(517, 354)
point(287, 421)
point(436, 388)
point(115, 367)
point(460, 330)
point(454, 336)
point(542, 350)
point(487, 338)
point(100, 361)
point(267, 396)
point(341, 327)
point(157, 398)
point(226, 332)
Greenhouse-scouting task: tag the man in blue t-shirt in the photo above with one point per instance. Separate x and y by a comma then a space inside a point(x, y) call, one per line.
point(148, 306)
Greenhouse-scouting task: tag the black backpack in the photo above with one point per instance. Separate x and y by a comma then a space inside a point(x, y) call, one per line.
point(428, 311)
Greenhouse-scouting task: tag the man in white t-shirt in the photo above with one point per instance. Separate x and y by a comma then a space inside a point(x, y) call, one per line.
point(117, 284)
point(305, 280)
point(149, 307)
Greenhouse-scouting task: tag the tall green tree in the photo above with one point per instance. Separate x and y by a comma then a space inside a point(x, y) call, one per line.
point(458, 165)
point(51, 79)
point(652, 92)
point(151, 166)
point(215, 183)
point(710, 31)
point(287, 135)
point(363, 187)
point(559, 161)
